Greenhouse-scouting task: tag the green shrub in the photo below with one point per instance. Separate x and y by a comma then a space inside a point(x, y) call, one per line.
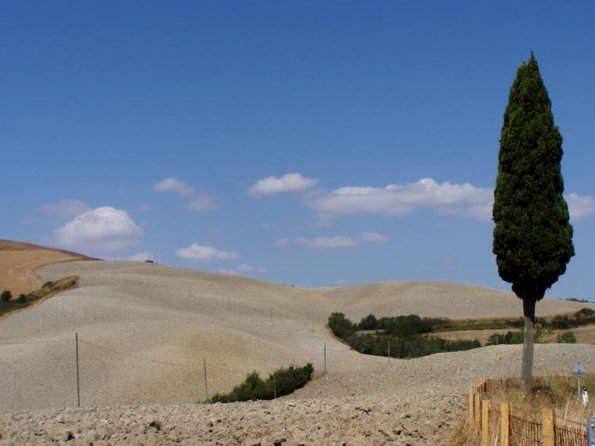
point(368, 323)
point(511, 337)
point(22, 299)
point(341, 326)
point(6, 296)
point(566, 337)
point(280, 383)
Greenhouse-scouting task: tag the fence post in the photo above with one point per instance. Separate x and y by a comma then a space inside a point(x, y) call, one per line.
point(78, 381)
point(471, 404)
point(547, 423)
point(485, 423)
point(206, 386)
point(477, 411)
point(505, 424)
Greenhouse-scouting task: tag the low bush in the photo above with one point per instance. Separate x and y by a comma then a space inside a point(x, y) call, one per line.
point(6, 296)
point(511, 337)
point(566, 337)
point(341, 326)
point(282, 382)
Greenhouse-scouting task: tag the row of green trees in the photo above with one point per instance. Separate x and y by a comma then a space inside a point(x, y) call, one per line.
point(282, 382)
point(400, 336)
point(517, 337)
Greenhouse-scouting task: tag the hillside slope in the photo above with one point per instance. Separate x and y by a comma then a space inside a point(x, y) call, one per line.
point(147, 329)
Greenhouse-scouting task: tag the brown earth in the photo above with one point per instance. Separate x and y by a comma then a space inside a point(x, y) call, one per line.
point(19, 260)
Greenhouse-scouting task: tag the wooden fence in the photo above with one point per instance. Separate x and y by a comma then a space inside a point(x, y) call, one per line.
point(497, 425)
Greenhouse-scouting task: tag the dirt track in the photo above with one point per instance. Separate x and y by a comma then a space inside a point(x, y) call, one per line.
point(145, 330)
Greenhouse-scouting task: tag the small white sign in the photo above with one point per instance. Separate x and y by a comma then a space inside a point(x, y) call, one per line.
point(579, 370)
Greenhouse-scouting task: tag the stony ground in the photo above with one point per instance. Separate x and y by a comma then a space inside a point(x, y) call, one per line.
point(401, 402)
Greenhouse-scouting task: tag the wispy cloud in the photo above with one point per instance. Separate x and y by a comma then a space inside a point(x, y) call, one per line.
point(402, 199)
point(198, 200)
point(291, 182)
point(580, 206)
point(141, 257)
point(174, 185)
point(337, 241)
point(101, 230)
point(203, 253)
point(243, 269)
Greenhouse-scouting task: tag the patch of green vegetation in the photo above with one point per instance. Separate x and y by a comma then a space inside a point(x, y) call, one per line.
point(282, 382)
point(8, 304)
point(397, 337)
point(566, 337)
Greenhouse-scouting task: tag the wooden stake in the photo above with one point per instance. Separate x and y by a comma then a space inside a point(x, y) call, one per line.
point(477, 411)
point(485, 423)
point(505, 424)
point(78, 383)
point(471, 406)
point(547, 423)
point(206, 387)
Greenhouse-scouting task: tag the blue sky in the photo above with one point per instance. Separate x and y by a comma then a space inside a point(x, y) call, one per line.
point(311, 143)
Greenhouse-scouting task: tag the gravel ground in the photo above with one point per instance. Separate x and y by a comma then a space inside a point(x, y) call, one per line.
point(145, 331)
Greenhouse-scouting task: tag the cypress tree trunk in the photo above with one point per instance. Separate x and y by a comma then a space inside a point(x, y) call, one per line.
point(527, 366)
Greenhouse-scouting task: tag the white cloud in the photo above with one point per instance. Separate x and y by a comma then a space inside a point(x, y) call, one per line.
point(202, 203)
point(64, 208)
point(174, 185)
point(242, 269)
point(580, 206)
point(337, 241)
point(291, 182)
point(402, 199)
point(203, 253)
point(141, 257)
point(198, 201)
point(101, 230)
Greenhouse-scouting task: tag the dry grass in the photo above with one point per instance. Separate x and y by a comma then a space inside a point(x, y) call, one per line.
point(18, 262)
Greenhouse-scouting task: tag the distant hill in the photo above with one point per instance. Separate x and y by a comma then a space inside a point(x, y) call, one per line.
point(18, 261)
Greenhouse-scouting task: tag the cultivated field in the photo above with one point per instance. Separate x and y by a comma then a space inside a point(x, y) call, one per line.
point(147, 330)
point(18, 261)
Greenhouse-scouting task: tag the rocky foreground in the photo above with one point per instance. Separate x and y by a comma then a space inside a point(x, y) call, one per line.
point(401, 402)
point(350, 421)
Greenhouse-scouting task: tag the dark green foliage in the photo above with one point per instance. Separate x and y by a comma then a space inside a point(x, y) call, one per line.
point(533, 236)
point(22, 299)
point(368, 323)
point(408, 347)
point(511, 337)
point(584, 313)
point(566, 337)
point(405, 325)
point(341, 326)
point(561, 322)
point(401, 335)
point(6, 296)
point(282, 382)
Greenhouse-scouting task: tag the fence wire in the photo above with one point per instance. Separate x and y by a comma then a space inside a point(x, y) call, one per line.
point(571, 436)
point(525, 432)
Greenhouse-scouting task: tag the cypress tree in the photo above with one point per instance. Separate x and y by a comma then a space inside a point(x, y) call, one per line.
point(532, 236)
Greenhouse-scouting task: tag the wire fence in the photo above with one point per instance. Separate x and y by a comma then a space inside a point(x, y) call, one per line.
point(61, 378)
